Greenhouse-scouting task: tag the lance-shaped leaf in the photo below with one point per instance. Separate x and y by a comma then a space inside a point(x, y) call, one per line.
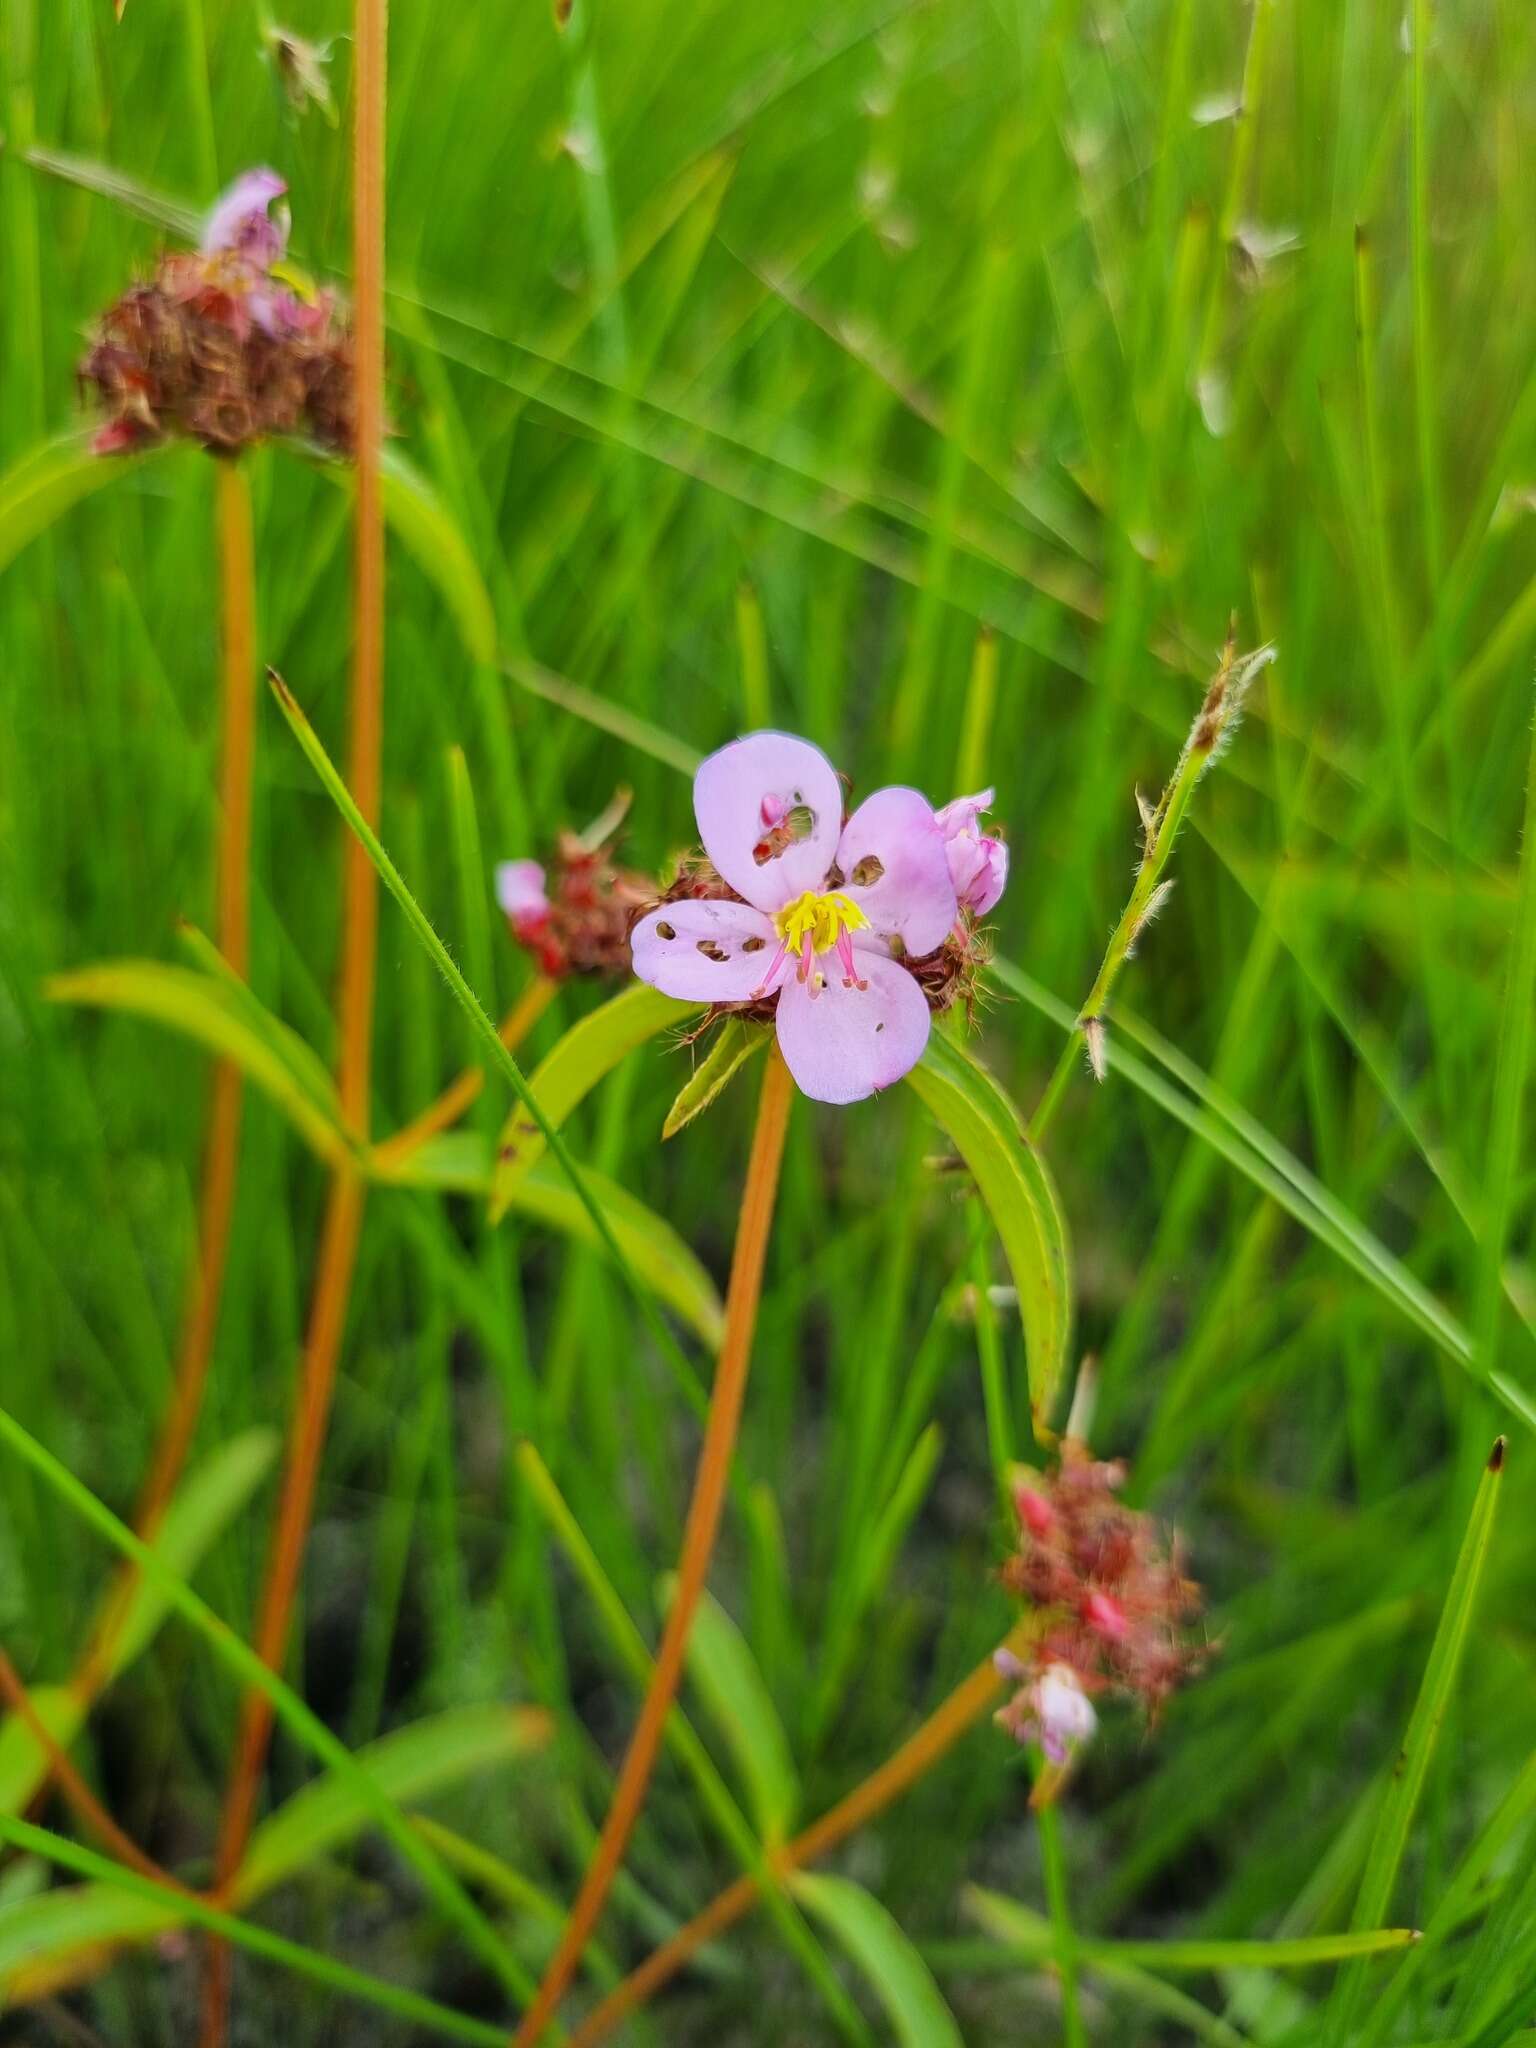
point(205, 1506)
point(48, 481)
point(989, 1135)
point(459, 1162)
point(733, 1045)
point(568, 1073)
point(223, 1015)
point(897, 1974)
point(50, 1942)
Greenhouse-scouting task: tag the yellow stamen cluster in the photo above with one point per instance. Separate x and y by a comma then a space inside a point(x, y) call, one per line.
point(824, 918)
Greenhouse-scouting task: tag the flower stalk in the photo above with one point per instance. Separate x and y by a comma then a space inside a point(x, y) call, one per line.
point(344, 1210)
point(1215, 722)
point(900, 1771)
point(757, 1206)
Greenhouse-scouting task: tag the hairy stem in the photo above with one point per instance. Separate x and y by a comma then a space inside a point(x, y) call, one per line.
point(916, 1756)
point(757, 1205)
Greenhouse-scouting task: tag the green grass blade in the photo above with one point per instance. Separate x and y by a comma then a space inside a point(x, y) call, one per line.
point(896, 1973)
point(459, 988)
point(208, 1501)
point(337, 1978)
point(1390, 1838)
point(457, 1908)
point(725, 1674)
point(570, 1070)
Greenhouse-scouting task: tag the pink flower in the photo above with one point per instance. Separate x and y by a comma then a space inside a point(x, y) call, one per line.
point(520, 892)
point(830, 913)
point(241, 223)
point(1060, 1714)
point(978, 862)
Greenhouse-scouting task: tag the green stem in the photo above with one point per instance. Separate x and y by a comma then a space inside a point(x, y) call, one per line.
point(1048, 1820)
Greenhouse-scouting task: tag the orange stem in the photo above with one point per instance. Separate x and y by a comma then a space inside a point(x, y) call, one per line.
point(216, 1205)
point(698, 1542)
point(918, 1754)
point(73, 1786)
point(457, 1097)
point(343, 1220)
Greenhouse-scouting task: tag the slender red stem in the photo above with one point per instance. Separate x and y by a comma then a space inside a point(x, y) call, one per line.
point(725, 1404)
point(343, 1219)
point(918, 1754)
point(216, 1205)
point(460, 1093)
point(72, 1785)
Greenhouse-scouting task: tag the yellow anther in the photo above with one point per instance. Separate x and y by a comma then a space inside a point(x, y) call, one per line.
point(823, 918)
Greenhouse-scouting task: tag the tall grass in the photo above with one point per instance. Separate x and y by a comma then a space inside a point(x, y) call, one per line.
point(937, 382)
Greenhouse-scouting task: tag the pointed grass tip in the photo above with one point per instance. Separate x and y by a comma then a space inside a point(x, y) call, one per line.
point(1496, 1455)
point(283, 694)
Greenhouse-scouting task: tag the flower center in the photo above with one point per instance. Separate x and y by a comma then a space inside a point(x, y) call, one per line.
point(818, 923)
point(821, 919)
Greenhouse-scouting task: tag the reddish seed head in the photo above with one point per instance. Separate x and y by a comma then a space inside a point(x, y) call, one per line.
point(1105, 1615)
point(1034, 1511)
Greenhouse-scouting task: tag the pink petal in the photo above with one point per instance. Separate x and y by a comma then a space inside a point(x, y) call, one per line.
point(844, 1043)
point(895, 834)
point(520, 888)
point(679, 966)
point(978, 861)
point(239, 222)
point(961, 812)
point(750, 797)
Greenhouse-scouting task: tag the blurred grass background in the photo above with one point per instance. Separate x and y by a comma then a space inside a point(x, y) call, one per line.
point(1089, 325)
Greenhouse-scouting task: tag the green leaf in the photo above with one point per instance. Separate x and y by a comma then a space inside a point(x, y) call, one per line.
point(1243, 1141)
point(53, 1944)
point(205, 1506)
point(455, 1904)
point(406, 1765)
point(568, 1073)
point(735, 1042)
point(230, 1022)
point(1385, 1854)
point(723, 1668)
point(897, 1974)
point(1033, 1936)
point(50, 479)
point(459, 1162)
point(26, 1968)
point(989, 1135)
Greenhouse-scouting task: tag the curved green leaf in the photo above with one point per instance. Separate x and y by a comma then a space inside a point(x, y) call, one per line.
point(722, 1667)
point(568, 1073)
point(226, 1018)
point(899, 1977)
point(989, 1135)
point(49, 1942)
point(205, 1506)
point(734, 1044)
point(459, 1162)
point(48, 480)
